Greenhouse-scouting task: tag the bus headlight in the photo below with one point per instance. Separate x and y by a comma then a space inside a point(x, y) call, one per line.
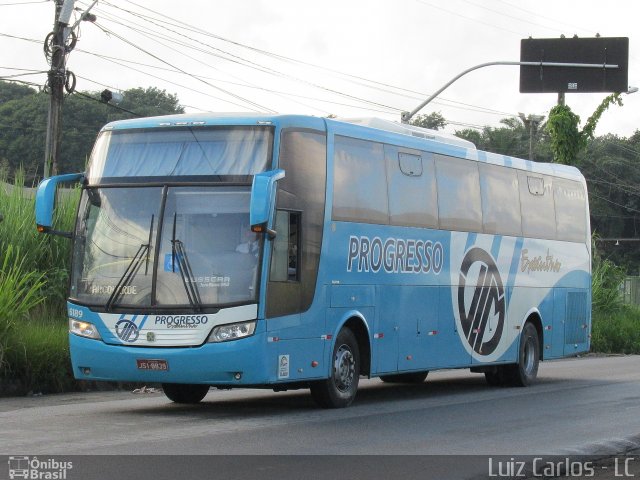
point(233, 331)
point(83, 329)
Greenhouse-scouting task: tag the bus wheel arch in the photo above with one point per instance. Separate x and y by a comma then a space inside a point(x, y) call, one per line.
point(359, 328)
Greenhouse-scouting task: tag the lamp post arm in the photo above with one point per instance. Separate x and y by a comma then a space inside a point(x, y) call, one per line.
point(406, 116)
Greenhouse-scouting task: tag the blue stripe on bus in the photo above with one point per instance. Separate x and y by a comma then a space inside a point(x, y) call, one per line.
point(471, 240)
point(515, 261)
point(495, 246)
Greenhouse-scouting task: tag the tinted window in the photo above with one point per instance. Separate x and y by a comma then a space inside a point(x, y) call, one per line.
point(360, 181)
point(413, 199)
point(571, 210)
point(536, 200)
point(299, 221)
point(458, 194)
point(500, 200)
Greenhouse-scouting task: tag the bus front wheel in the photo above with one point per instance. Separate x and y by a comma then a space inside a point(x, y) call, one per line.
point(339, 390)
point(185, 393)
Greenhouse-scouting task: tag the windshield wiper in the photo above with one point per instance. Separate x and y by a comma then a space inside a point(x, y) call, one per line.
point(184, 267)
point(132, 269)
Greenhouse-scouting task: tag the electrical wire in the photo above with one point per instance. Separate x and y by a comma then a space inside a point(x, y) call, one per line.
point(375, 85)
point(343, 94)
point(629, 209)
point(108, 104)
point(22, 3)
point(128, 42)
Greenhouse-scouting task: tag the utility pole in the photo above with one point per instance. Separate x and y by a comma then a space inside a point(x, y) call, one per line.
point(56, 46)
point(531, 122)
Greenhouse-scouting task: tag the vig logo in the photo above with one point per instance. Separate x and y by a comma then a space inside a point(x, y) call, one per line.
point(482, 315)
point(126, 328)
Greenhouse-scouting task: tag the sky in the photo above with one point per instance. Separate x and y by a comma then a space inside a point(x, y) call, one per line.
point(349, 58)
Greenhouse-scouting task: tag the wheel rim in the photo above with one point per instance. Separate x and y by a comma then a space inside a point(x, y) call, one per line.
point(529, 357)
point(344, 368)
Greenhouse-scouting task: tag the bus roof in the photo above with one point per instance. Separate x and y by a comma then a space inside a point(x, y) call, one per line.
point(372, 128)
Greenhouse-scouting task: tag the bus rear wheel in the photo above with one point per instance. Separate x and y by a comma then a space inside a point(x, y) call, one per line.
point(413, 377)
point(524, 373)
point(185, 393)
point(339, 390)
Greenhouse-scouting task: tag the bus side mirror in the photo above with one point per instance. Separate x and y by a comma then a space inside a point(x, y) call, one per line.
point(46, 199)
point(263, 195)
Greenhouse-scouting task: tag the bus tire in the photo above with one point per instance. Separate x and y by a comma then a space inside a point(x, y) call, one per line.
point(524, 373)
point(185, 393)
point(339, 390)
point(413, 377)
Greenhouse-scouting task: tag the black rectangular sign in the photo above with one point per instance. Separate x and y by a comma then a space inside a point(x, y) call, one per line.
point(601, 51)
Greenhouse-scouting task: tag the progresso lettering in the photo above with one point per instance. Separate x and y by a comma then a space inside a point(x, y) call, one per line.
point(181, 321)
point(394, 255)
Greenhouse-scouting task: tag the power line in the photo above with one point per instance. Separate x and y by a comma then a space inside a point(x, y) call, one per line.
point(22, 3)
point(280, 74)
point(370, 83)
point(6, 77)
point(166, 81)
point(108, 104)
point(529, 12)
point(32, 40)
point(519, 19)
point(158, 37)
point(121, 38)
point(245, 85)
point(614, 203)
point(457, 14)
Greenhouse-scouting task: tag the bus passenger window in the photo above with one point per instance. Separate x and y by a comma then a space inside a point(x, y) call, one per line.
point(459, 201)
point(571, 211)
point(285, 259)
point(537, 206)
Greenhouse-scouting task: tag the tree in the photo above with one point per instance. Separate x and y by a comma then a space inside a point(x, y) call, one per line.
point(147, 102)
point(512, 138)
point(23, 124)
point(434, 121)
point(13, 91)
point(567, 141)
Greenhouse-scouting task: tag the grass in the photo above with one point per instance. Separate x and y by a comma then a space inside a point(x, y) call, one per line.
point(33, 287)
point(617, 331)
point(47, 254)
point(38, 357)
point(20, 292)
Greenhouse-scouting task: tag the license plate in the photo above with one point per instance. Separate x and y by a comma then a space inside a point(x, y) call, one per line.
point(157, 365)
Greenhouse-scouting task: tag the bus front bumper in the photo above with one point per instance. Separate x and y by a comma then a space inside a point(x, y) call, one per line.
point(227, 363)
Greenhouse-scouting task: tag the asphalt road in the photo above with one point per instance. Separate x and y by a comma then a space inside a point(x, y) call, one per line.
point(579, 406)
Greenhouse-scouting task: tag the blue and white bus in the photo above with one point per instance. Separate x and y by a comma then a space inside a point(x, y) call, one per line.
point(288, 252)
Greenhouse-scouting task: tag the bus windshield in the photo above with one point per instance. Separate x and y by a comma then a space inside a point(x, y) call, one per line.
point(131, 155)
point(165, 247)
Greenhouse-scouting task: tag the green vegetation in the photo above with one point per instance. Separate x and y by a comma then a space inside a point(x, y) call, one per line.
point(616, 331)
point(33, 282)
point(615, 326)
